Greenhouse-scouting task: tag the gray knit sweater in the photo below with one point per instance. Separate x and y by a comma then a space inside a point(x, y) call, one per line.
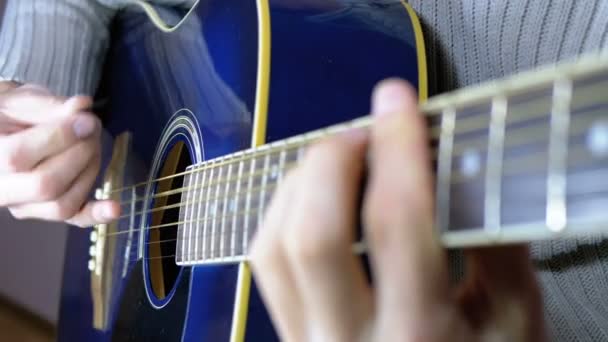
point(61, 44)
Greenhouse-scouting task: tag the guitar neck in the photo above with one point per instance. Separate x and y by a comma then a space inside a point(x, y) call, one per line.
point(516, 160)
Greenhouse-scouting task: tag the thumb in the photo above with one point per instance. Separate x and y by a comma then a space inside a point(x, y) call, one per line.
point(31, 104)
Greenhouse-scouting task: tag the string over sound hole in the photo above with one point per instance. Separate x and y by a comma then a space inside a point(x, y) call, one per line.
point(163, 272)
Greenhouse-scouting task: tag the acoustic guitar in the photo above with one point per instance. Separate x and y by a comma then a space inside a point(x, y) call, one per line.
point(206, 109)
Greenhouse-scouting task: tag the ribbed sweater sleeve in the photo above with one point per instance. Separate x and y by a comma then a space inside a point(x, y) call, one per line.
point(59, 44)
point(470, 41)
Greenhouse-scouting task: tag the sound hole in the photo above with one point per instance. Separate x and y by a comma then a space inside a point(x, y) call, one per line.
point(163, 271)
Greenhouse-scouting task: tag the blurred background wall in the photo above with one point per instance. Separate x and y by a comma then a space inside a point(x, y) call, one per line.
point(31, 261)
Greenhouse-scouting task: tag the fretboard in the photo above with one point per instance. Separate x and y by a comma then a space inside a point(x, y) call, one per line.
point(521, 159)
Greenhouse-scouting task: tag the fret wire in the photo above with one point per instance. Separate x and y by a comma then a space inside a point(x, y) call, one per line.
point(190, 210)
point(201, 193)
point(528, 163)
point(357, 248)
point(223, 180)
point(171, 240)
point(214, 215)
point(252, 153)
point(187, 214)
point(130, 237)
point(444, 172)
point(585, 95)
point(245, 242)
point(195, 212)
point(579, 159)
point(300, 153)
point(236, 209)
point(156, 242)
point(223, 228)
point(262, 198)
point(493, 180)
point(288, 166)
point(533, 134)
point(556, 215)
point(205, 224)
point(176, 205)
point(282, 158)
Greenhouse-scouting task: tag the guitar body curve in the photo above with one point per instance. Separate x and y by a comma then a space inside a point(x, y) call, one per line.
point(239, 73)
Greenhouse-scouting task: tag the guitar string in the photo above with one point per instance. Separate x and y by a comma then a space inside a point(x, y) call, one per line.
point(230, 219)
point(303, 139)
point(133, 255)
point(237, 252)
point(265, 173)
point(526, 135)
point(357, 248)
point(580, 157)
point(243, 251)
point(231, 232)
point(257, 154)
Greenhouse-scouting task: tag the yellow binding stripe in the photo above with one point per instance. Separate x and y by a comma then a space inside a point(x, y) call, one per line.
point(423, 90)
point(258, 138)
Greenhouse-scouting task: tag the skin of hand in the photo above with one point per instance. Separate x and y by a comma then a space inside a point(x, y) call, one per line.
point(315, 288)
point(50, 157)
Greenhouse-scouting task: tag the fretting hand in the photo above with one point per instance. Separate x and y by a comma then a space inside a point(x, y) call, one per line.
point(49, 157)
point(316, 289)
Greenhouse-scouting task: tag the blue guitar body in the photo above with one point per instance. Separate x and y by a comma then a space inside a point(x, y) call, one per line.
point(235, 73)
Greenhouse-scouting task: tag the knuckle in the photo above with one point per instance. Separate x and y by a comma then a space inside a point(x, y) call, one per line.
point(387, 209)
point(261, 253)
point(328, 149)
point(378, 218)
point(13, 162)
point(317, 231)
point(12, 159)
point(315, 151)
point(265, 251)
point(316, 244)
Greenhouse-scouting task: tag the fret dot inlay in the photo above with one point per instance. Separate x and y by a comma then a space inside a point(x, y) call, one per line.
point(274, 171)
point(470, 163)
point(597, 139)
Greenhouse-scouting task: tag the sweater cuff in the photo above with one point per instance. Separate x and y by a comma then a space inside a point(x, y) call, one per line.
point(58, 44)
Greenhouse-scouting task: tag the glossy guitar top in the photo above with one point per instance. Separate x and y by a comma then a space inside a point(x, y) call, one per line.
point(235, 74)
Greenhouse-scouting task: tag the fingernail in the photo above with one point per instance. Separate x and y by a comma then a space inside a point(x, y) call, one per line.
point(108, 212)
point(391, 97)
point(83, 127)
point(104, 212)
